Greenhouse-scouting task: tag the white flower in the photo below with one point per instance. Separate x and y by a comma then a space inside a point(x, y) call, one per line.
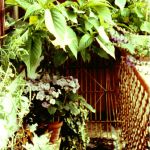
point(61, 82)
point(52, 101)
point(66, 88)
point(59, 91)
point(40, 95)
point(46, 86)
point(55, 94)
point(34, 88)
point(72, 84)
point(47, 97)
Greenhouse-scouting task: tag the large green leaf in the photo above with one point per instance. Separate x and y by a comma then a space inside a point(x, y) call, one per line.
point(120, 3)
point(71, 40)
point(33, 59)
point(64, 35)
point(56, 25)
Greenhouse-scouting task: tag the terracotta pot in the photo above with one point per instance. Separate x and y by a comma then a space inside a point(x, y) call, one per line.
point(54, 128)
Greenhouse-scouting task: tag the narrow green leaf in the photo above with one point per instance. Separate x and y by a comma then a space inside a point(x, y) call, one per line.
point(10, 2)
point(109, 49)
point(146, 26)
point(85, 55)
point(94, 22)
point(72, 41)
point(59, 57)
point(103, 54)
point(32, 60)
point(103, 34)
point(120, 3)
point(85, 41)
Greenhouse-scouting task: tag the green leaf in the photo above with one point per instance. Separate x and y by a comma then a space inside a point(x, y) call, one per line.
point(24, 4)
point(95, 3)
point(129, 47)
point(104, 13)
point(71, 40)
point(74, 109)
point(59, 57)
point(85, 55)
point(56, 25)
point(90, 23)
point(85, 41)
point(33, 59)
point(88, 106)
point(108, 48)
point(146, 26)
point(72, 16)
point(125, 12)
point(10, 2)
point(103, 34)
point(43, 2)
point(103, 54)
point(32, 8)
point(120, 3)
point(139, 12)
point(52, 110)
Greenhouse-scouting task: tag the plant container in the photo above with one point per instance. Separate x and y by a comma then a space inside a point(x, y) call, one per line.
point(54, 128)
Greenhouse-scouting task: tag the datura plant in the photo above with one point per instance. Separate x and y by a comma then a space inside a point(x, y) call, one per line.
point(54, 30)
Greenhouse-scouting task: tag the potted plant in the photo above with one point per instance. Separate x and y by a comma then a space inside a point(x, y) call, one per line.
point(53, 99)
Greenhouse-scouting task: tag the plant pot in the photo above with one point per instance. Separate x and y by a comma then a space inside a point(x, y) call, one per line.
point(54, 128)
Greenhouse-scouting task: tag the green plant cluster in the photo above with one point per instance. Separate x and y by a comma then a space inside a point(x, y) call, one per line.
point(13, 105)
point(132, 29)
point(54, 31)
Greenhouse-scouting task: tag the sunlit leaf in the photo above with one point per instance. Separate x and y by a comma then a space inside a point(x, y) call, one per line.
point(120, 3)
point(85, 41)
point(146, 26)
